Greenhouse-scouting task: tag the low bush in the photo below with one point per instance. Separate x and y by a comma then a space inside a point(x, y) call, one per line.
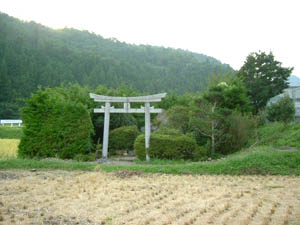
point(122, 138)
point(166, 147)
point(281, 111)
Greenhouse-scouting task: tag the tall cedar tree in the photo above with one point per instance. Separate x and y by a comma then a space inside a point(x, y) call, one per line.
point(264, 77)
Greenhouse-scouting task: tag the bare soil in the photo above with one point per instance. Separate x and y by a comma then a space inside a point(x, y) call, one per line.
point(127, 197)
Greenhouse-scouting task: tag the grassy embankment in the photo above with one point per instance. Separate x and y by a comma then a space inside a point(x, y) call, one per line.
point(274, 153)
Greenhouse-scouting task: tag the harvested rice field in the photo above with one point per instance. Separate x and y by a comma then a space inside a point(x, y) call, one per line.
point(61, 197)
point(8, 148)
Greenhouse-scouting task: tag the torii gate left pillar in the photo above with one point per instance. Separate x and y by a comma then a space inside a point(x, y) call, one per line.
point(107, 109)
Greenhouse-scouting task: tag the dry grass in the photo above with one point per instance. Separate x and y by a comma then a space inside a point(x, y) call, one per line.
point(58, 197)
point(8, 148)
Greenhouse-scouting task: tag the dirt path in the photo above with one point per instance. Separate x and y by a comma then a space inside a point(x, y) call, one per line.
point(59, 197)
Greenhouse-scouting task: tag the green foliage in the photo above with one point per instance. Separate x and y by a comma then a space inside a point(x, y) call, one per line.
point(122, 138)
point(260, 118)
point(168, 131)
point(229, 95)
point(166, 147)
point(207, 121)
point(239, 129)
point(201, 153)
point(98, 152)
point(57, 123)
point(32, 55)
point(173, 99)
point(218, 115)
point(200, 138)
point(278, 135)
point(281, 111)
point(178, 118)
point(10, 132)
point(264, 78)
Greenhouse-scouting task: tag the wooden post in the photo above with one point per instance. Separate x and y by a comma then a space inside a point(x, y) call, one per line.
point(106, 130)
point(147, 129)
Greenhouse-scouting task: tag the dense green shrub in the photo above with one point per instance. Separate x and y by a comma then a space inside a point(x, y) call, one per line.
point(56, 124)
point(201, 153)
point(229, 95)
point(166, 147)
point(281, 111)
point(260, 118)
point(168, 131)
point(178, 117)
point(122, 138)
point(239, 129)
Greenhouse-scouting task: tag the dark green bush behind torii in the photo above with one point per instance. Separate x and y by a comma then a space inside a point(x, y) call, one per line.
point(122, 138)
point(56, 124)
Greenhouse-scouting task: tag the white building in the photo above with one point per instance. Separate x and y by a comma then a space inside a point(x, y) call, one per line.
point(294, 93)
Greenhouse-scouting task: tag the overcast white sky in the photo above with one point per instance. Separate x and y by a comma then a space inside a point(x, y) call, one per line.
point(227, 30)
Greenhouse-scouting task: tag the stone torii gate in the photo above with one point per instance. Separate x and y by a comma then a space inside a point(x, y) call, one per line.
point(107, 109)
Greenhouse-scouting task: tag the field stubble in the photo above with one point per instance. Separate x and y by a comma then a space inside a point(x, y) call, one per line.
point(60, 197)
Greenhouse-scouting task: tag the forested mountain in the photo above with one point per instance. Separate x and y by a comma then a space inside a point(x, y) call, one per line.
point(294, 80)
point(33, 55)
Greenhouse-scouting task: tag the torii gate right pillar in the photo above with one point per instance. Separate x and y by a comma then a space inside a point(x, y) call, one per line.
point(106, 130)
point(147, 129)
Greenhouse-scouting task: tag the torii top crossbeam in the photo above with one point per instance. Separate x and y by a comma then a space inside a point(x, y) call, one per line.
point(148, 98)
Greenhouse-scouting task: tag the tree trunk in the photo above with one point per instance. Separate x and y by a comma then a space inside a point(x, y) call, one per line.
point(213, 130)
point(212, 142)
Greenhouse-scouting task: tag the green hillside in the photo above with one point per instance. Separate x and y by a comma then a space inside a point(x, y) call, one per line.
point(33, 55)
